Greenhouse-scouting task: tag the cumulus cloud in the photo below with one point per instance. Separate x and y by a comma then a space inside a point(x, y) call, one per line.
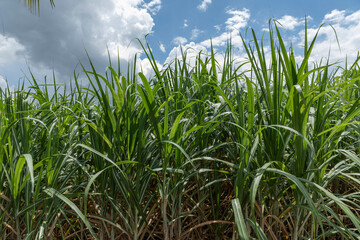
point(10, 50)
point(179, 40)
point(238, 20)
point(162, 47)
point(192, 50)
point(289, 22)
point(146, 68)
point(153, 6)
point(204, 5)
point(58, 37)
point(195, 33)
point(335, 16)
point(347, 27)
point(3, 83)
point(217, 27)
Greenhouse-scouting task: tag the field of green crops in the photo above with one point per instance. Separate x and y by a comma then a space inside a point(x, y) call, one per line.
point(266, 149)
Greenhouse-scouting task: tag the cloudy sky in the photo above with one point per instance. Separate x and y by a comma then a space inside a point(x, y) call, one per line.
point(56, 40)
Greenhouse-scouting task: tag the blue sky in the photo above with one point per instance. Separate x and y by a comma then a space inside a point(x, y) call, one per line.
point(55, 40)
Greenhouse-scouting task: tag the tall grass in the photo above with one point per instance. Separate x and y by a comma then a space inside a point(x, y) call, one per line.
point(265, 149)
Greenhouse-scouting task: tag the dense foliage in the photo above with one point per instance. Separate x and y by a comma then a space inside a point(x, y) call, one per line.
point(265, 149)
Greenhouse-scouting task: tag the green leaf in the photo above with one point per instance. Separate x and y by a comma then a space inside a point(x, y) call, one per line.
point(53, 193)
point(239, 219)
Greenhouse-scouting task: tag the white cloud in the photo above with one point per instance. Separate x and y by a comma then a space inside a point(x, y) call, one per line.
point(146, 68)
point(153, 6)
point(3, 83)
point(192, 50)
point(186, 23)
point(335, 16)
point(128, 22)
point(10, 50)
point(353, 18)
point(179, 40)
point(204, 5)
point(238, 20)
point(221, 40)
point(347, 27)
point(217, 27)
point(162, 47)
point(289, 22)
point(195, 33)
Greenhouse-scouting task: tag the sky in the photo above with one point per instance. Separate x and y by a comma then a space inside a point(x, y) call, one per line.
point(59, 38)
